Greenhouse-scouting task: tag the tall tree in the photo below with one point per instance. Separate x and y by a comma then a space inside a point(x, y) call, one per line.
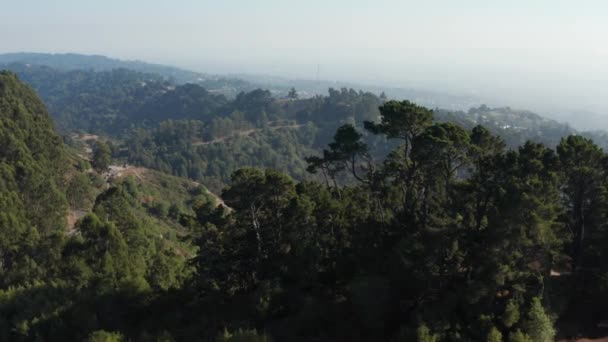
point(292, 94)
point(583, 164)
point(102, 156)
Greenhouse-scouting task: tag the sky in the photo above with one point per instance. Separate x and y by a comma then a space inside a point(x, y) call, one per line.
point(544, 54)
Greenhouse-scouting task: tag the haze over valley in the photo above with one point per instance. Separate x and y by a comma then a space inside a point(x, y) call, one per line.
point(549, 57)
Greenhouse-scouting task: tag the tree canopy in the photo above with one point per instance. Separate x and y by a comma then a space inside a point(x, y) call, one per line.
point(413, 228)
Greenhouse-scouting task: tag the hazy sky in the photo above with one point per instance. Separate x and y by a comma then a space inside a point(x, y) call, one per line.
point(553, 52)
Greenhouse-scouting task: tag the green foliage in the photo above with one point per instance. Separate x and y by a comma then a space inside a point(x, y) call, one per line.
point(102, 156)
point(539, 326)
point(93, 101)
point(424, 334)
point(105, 336)
point(511, 315)
point(416, 221)
point(518, 336)
point(450, 219)
point(494, 335)
point(243, 336)
point(401, 120)
point(165, 271)
point(186, 102)
point(514, 126)
point(80, 191)
point(32, 205)
point(172, 149)
point(292, 94)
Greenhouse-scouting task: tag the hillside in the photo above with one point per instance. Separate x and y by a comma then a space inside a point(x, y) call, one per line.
point(186, 102)
point(116, 95)
point(170, 127)
point(233, 84)
point(160, 199)
point(73, 61)
point(516, 126)
point(75, 239)
point(227, 85)
point(303, 171)
point(350, 205)
point(32, 203)
point(111, 101)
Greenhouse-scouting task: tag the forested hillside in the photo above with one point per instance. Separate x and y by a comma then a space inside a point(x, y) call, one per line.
point(63, 279)
point(229, 85)
point(190, 131)
point(347, 217)
point(450, 236)
point(73, 61)
point(32, 205)
point(113, 99)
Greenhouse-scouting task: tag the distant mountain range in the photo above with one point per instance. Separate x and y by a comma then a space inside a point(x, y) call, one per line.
point(31, 66)
point(230, 85)
point(73, 61)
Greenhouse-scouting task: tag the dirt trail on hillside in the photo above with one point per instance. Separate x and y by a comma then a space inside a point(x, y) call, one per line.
point(125, 170)
point(139, 172)
point(218, 200)
point(117, 171)
point(73, 217)
point(244, 133)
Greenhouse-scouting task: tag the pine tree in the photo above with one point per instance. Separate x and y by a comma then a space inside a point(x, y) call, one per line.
point(425, 335)
point(494, 335)
point(102, 156)
point(539, 326)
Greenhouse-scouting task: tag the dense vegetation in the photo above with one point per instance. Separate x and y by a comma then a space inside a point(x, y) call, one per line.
point(149, 115)
point(406, 226)
point(74, 61)
point(258, 131)
point(31, 202)
point(207, 140)
point(112, 101)
point(57, 281)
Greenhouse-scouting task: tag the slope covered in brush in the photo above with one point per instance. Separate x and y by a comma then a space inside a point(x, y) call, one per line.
point(32, 204)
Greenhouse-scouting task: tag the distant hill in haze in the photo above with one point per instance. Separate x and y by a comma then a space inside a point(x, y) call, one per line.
point(65, 62)
point(230, 85)
point(73, 61)
point(101, 94)
point(309, 87)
